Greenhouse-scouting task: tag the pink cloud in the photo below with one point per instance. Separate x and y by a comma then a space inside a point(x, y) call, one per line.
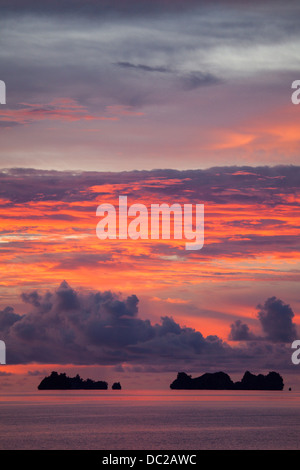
point(62, 109)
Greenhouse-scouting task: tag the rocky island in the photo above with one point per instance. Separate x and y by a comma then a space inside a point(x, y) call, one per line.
point(222, 381)
point(116, 386)
point(57, 381)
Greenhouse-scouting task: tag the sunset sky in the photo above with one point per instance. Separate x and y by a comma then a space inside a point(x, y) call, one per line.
point(164, 102)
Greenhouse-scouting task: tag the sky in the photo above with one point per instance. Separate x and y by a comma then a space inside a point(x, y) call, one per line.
point(184, 102)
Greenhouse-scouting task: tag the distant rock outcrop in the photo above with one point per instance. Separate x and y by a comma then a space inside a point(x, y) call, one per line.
point(57, 381)
point(272, 381)
point(116, 386)
point(222, 381)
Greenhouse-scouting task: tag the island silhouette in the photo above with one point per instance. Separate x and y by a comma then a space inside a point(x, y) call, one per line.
point(57, 381)
point(222, 381)
point(116, 386)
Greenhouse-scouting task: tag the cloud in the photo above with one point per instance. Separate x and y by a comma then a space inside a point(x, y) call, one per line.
point(68, 326)
point(144, 68)
point(276, 319)
point(7, 318)
point(101, 8)
point(267, 198)
point(37, 373)
point(73, 261)
point(90, 8)
point(195, 80)
point(170, 35)
point(5, 374)
point(240, 332)
point(63, 109)
point(224, 184)
point(190, 81)
point(164, 60)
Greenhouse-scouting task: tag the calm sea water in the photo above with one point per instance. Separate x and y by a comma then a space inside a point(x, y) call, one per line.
point(150, 420)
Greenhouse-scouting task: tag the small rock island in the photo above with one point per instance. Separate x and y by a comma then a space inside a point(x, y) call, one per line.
point(57, 381)
point(222, 381)
point(116, 386)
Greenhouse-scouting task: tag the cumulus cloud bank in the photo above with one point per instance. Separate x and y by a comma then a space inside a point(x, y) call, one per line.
point(276, 319)
point(67, 326)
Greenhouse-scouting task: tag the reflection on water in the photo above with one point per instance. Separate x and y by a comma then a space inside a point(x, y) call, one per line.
point(257, 398)
point(151, 420)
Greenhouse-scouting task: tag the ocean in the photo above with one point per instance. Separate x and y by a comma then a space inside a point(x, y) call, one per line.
point(150, 420)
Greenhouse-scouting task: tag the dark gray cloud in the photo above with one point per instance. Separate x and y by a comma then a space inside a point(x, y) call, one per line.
point(32, 298)
point(276, 319)
point(190, 81)
point(69, 326)
point(100, 7)
point(7, 318)
point(65, 52)
point(198, 79)
point(240, 331)
point(143, 67)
